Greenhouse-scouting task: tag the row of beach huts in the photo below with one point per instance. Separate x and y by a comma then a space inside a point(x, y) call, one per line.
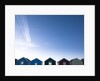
point(49, 61)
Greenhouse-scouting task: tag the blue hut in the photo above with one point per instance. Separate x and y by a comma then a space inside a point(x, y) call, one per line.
point(23, 61)
point(36, 62)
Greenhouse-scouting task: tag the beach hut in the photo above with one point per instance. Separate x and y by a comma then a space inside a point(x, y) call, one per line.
point(82, 60)
point(15, 61)
point(76, 61)
point(63, 62)
point(23, 61)
point(36, 61)
point(50, 61)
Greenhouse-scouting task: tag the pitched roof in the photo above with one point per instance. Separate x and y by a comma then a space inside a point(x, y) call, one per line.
point(50, 59)
point(63, 60)
point(36, 59)
point(76, 61)
point(24, 58)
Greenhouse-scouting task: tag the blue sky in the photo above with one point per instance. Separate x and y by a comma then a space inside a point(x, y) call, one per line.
point(44, 36)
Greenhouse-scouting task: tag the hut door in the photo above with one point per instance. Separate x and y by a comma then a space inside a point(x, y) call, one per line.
point(64, 63)
point(35, 63)
point(50, 63)
point(22, 63)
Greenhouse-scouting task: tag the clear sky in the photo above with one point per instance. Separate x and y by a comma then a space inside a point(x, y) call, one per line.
point(44, 36)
